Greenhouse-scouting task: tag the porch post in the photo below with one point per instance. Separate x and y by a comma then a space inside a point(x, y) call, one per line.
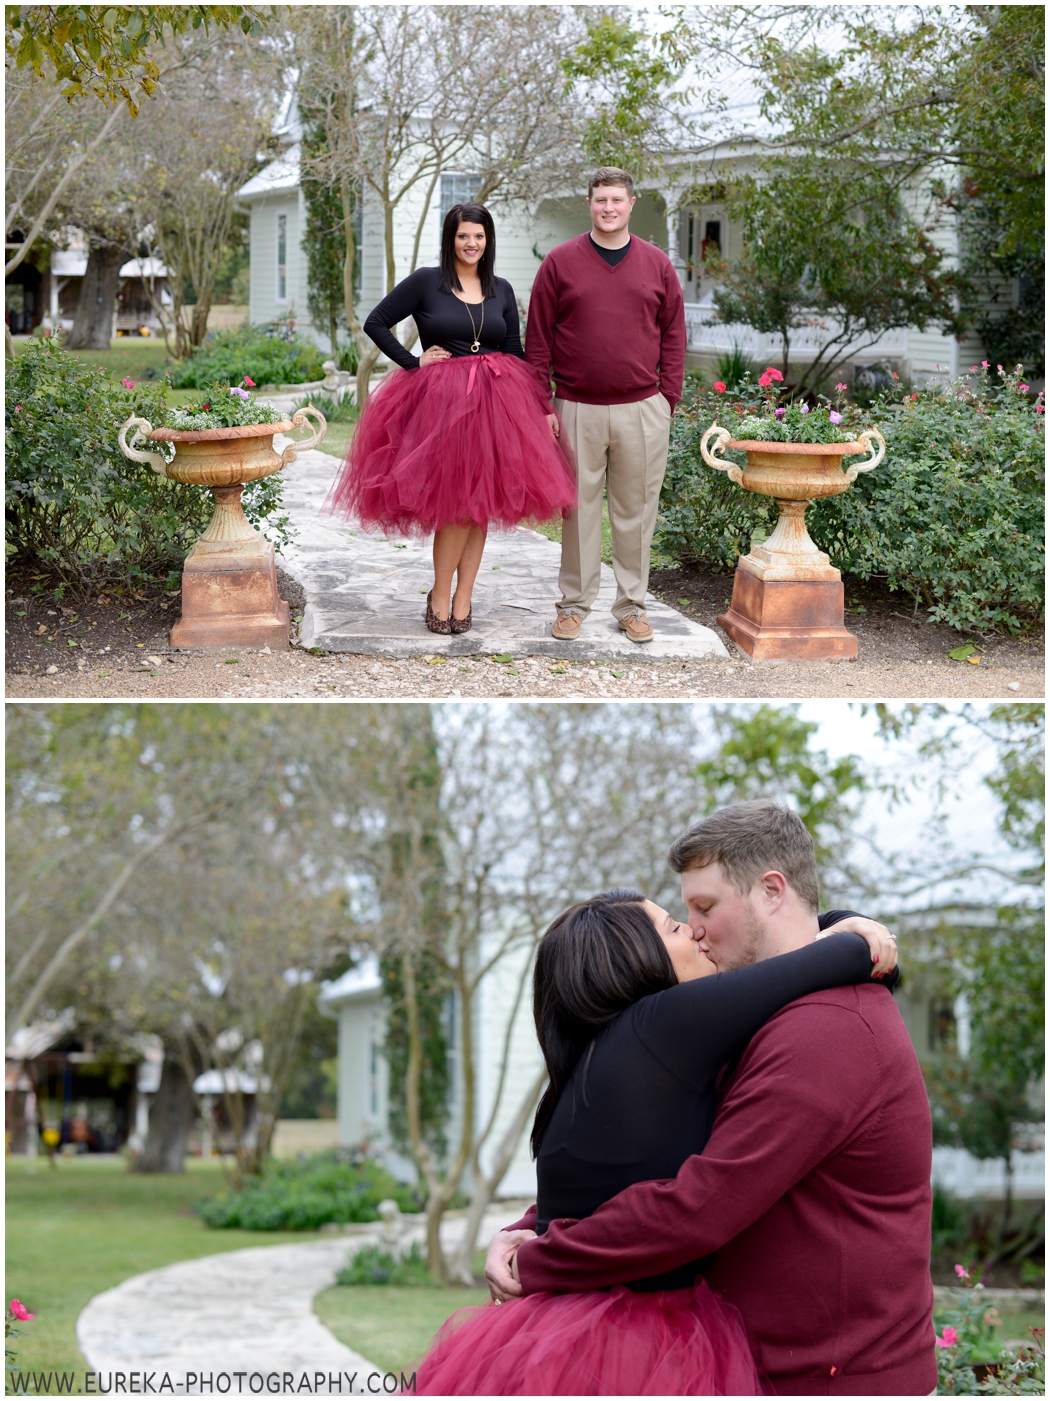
point(674, 243)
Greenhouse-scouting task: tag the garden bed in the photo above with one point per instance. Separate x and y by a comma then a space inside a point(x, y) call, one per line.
point(121, 627)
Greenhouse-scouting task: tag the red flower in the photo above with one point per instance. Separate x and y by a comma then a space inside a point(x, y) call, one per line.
point(207, 407)
point(773, 374)
point(249, 382)
point(719, 387)
point(20, 1311)
point(765, 380)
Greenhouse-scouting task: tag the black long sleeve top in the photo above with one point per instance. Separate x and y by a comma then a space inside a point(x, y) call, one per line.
point(641, 1100)
point(442, 319)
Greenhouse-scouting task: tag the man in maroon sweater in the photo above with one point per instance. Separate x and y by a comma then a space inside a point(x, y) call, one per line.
point(812, 1198)
point(607, 322)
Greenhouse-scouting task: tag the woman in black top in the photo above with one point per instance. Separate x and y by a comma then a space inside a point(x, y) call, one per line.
point(634, 1032)
point(461, 436)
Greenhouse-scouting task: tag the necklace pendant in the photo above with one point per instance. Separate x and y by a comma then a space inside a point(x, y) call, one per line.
point(476, 347)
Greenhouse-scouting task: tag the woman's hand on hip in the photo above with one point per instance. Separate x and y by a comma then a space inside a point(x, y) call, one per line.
point(882, 943)
point(554, 423)
point(433, 354)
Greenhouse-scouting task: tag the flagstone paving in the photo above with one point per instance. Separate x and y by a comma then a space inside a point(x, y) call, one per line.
point(247, 1311)
point(366, 592)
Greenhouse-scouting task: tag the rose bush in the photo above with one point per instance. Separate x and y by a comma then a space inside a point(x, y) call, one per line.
point(953, 517)
point(79, 514)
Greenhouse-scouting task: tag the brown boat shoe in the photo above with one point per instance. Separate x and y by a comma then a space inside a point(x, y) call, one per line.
point(567, 625)
point(637, 627)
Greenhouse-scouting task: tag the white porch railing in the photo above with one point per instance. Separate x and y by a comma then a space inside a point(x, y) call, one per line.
point(966, 1176)
point(806, 341)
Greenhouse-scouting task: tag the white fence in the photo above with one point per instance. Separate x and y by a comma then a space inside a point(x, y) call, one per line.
point(806, 341)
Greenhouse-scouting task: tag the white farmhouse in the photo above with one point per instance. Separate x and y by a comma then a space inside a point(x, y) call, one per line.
point(355, 1000)
point(525, 234)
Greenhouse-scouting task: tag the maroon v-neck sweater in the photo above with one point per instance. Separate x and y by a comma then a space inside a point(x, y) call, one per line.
point(608, 335)
point(812, 1196)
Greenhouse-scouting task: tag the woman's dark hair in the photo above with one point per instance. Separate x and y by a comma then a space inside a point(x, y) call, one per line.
point(468, 214)
point(594, 961)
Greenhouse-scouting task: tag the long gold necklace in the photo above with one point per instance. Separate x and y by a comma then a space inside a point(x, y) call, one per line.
point(477, 330)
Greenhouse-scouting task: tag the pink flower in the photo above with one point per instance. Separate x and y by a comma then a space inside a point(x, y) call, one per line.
point(773, 374)
point(779, 413)
point(20, 1311)
point(948, 1339)
point(895, 374)
point(128, 383)
point(1022, 386)
point(841, 388)
point(249, 382)
point(963, 1274)
point(984, 363)
point(999, 368)
point(973, 369)
point(18, 408)
point(1039, 408)
point(718, 387)
point(834, 417)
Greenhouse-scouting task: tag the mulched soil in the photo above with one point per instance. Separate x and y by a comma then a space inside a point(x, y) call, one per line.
point(886, 628)
point(75, 636)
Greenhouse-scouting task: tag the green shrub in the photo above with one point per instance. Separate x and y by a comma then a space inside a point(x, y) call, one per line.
point(374, 1265)
point(301, 1195)
point(265, 357)
point(952, 517)
point(78, 511)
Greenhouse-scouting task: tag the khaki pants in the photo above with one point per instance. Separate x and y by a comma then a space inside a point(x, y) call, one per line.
point(623, 447)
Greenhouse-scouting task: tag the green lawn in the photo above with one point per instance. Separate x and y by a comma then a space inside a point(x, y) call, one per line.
point(90, 1224)
point(391, 1325)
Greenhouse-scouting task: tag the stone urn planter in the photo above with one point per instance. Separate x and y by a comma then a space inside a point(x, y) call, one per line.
point(229, 580)
point(787, 597)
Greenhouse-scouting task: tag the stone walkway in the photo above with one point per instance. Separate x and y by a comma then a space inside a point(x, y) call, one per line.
point(366, 593)
point(247, 1311)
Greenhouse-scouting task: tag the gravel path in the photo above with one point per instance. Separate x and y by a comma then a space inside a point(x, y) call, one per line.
point(248, 675)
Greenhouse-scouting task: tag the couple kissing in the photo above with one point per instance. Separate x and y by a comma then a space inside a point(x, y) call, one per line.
point(733, 1151)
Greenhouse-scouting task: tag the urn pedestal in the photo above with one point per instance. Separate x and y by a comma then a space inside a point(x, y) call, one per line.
point(787, 602)
point(229, 579)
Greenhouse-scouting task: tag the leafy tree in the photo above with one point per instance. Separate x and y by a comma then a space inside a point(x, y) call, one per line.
point(767, 753)
point(991, 954)
point(325, 241)
point(627, 89)
point(835, 256)
point(104, 50)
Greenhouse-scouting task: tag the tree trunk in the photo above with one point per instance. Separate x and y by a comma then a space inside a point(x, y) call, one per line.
point(199, 321)
point(171, 1118)
point(93, 323)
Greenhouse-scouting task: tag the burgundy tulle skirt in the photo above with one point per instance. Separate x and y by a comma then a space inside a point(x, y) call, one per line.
point(678, 1342)
point(460, 442)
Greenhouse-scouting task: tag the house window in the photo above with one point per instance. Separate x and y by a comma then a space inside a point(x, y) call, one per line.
point(457, 189)
point(282, 257)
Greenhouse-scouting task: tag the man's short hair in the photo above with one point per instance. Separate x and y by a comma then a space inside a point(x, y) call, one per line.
point(609, 175)
point(748, 839)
